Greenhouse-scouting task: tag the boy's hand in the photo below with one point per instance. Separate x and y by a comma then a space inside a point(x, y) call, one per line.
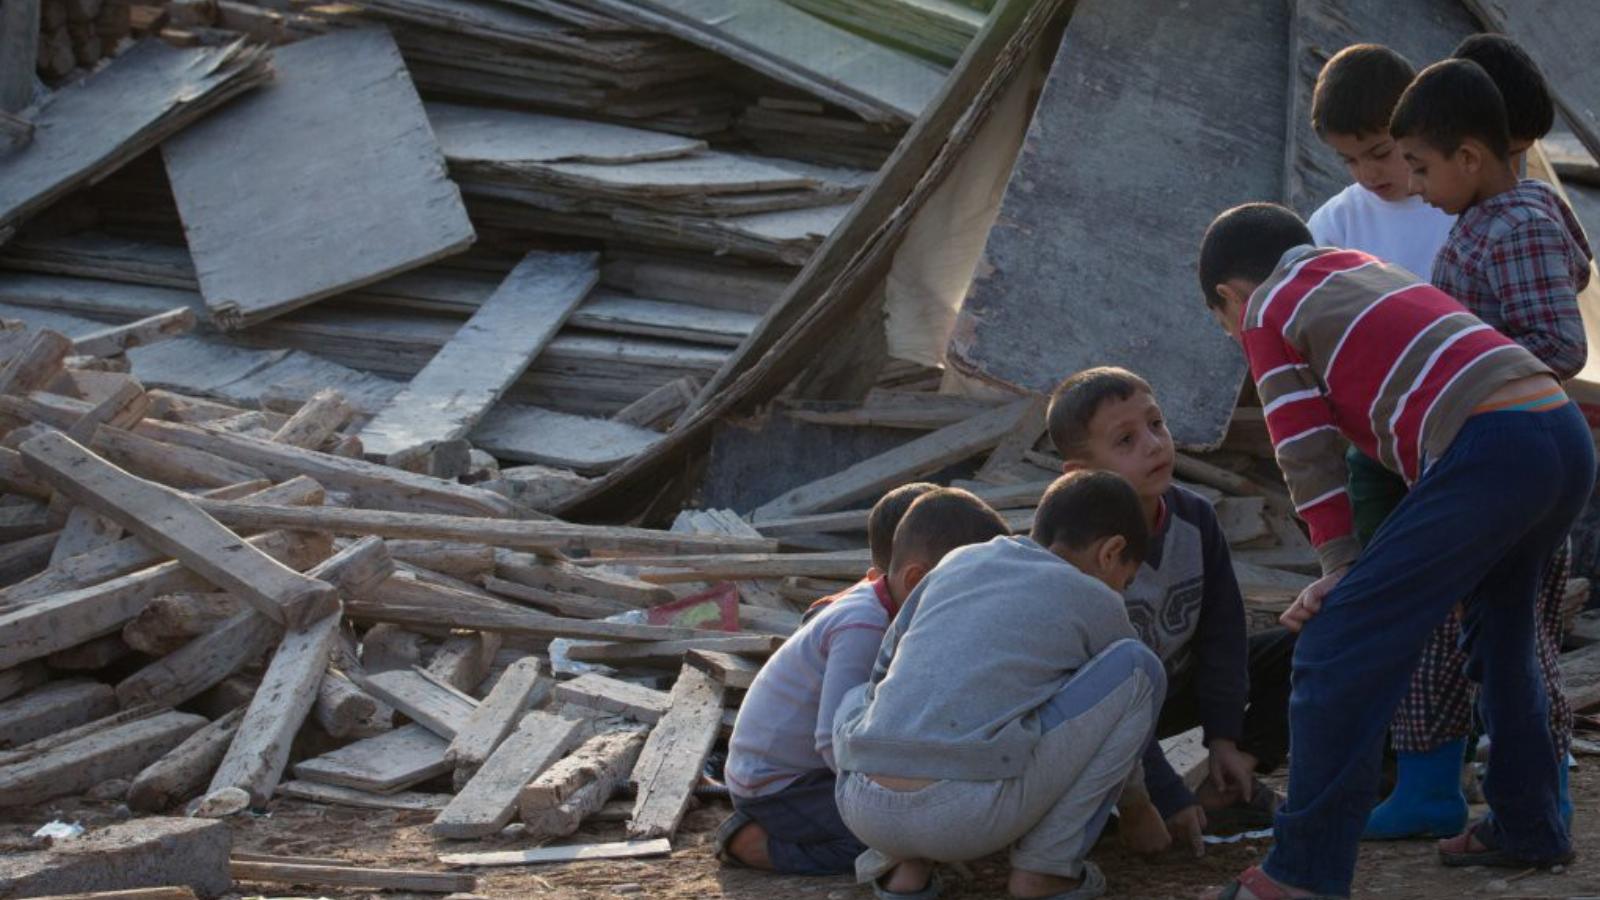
point(1142, 830)
point(1186, 828)
point(1232, 771)
point(1309, 603)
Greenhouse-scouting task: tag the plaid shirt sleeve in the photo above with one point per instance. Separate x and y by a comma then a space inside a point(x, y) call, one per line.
point(1530, 274)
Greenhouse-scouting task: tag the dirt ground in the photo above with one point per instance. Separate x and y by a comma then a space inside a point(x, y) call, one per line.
point(1401, 871)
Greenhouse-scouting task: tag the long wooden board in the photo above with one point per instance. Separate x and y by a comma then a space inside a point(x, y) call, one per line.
point(457, 387)
point(487, 802)
point(1067, 280)
point(340, 128)
point(384, 764)
point(165, 520)
point(670, 763)
point(91, 128)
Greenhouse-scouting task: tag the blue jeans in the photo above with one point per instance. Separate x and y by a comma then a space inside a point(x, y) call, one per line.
point(805, 835)
point(1480, 524)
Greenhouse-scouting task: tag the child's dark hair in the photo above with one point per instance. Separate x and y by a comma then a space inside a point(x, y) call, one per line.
point(1449, 102)
point(1530, 113)
point(1357, 90)
point(942, 520)
point(885, 518)
point(1075, 401)
point(1083, 507)
point(1247, 242)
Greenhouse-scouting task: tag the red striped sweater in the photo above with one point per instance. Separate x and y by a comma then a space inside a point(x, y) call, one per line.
point(1345, 347)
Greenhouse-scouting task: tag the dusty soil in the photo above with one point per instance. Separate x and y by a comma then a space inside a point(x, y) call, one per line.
point(1402, 871)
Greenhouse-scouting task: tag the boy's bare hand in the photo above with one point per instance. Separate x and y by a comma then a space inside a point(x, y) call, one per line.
point(1142, 830)
point(1186, 828)
point(1309, 603)
point(1232, 771)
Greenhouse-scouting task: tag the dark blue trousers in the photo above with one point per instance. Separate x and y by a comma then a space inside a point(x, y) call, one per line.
point(1480, 524)
point(805, 835)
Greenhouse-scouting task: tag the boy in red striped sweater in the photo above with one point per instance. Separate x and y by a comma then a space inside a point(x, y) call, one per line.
point(1343, 347)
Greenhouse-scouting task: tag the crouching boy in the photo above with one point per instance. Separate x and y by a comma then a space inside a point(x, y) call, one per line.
point(780, 767)
point(1010, 703)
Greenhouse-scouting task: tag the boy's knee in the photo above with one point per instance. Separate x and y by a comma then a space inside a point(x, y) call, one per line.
point(1132, 656)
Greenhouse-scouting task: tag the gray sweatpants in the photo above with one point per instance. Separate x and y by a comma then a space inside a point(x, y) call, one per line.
point(1094, 731)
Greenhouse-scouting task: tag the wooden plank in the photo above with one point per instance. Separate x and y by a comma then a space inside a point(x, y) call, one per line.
point(53, 708)
point(576, 853)
point(36, 365)
point(529, 623)
point(130, 105)
point(845, 564)
point(464, 659)
point(387, 763)
point(367, 484)
point(611, 695)
point(184, 771)
point(256, 758)
point(564, 604)
point(166, 464)
point(467, 561)
point(1114, 69)
point(672, 653)
point(346, 711)
point(556, 802)
point(241, 639)
point(497, 716)
point(874, 82)
point(387, 176)
point(725, 521)
point(317, 420)
point(736, 672)
point(165, 520)
point(116, 752)
point(439, 710)
point(558, 575)
point(846, 271)
point(353, 876)
point(670, 763)
point(409, 801)
point(139, 333)
point(584, 444)
point(155, 893)
point(84, 530)
point(490, 351)
point(912, 460)
point(58, 621)
point(487, 803)
point(483, 135)
point(25, 677)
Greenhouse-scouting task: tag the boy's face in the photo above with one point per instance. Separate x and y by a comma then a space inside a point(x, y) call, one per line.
point(1130, 437)
point(1446, 181)
point(1374, 162)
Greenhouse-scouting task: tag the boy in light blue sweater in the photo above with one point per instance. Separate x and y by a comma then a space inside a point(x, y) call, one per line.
point(1009, 705)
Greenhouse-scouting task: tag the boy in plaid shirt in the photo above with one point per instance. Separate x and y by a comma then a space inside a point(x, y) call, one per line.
point(1516, 258)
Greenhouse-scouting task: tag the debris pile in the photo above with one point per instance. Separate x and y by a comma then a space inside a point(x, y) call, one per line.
point(314, 319)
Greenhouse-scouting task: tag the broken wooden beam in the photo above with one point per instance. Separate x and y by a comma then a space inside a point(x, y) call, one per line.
point(343, 796)
point(429, 704)
point(612, 695)
point(575, 853)
point(353, 876)
point(165, 520)
point(497, 716)
point(669, 766)
point(487, 803)
point(556, 802)
point(122, 338)
point(73, 768)
point(386, 763)
point(53, 708)
point(183, 772)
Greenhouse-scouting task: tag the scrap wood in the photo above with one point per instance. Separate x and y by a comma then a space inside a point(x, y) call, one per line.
point(116, 752)
point(518, 688)
point(674, 652)
point(488, 801)
point(633, 849)
point(674, 569)
point(492, 348)
point(165, 520)
point(434, 707)
point(353, 876)
point(556, 802)
point(521, 623)
point(89, 129)
point(342, 796)
point(384, 173)
point(669, 765)
point(184, 771)
point(384, 764)
point(852, 261)
point(142, 332)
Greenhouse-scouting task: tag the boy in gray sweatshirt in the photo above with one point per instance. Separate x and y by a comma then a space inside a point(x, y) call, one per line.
point(1009, 705)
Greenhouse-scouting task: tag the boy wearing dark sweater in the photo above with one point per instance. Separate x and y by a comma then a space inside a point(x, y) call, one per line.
point(1186, 606)
point(1344, 347)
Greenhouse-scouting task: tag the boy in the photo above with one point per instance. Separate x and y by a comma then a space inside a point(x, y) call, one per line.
point(1530, 110)
point(1350, 107)
point(881, 523)
point(1517, 259)
point(1009, 704)
point(1186, 606)
point(1345, 347)
point(780, 769)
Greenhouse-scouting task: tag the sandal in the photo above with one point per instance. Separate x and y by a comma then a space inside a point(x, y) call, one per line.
point(1264, 888)
point(929, 891)
point(1093, 885)
point(1457, 852)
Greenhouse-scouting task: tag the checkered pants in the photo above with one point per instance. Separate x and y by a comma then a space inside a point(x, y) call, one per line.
point(1438, 705)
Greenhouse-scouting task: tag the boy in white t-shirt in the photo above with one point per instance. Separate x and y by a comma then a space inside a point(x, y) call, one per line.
point(1355, 93)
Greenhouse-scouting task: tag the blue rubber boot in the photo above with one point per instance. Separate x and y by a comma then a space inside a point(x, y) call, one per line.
point(1427, 800)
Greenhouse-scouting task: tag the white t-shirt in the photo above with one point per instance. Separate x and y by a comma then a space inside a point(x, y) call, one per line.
point(1408, 233)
